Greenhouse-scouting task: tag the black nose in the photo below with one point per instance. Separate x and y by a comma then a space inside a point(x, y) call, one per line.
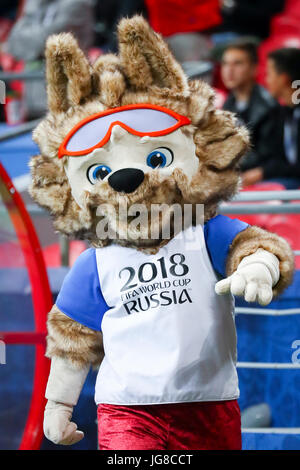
point(126, 180)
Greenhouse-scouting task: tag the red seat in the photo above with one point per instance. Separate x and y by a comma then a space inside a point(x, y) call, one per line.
point(292, 8)
point(94, 53)
point(260, 220)
point(52, 253)
point(285, 25)
point(288, 227)
point(220, 97)
point(285, 225)
point(10, 255)
point(265, 186)
point(175, 16)
point(287, 22)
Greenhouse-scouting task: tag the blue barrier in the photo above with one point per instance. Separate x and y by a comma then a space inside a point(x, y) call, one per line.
point(270, 441)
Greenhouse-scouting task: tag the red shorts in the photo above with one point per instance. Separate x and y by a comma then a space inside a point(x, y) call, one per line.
point(178, 426)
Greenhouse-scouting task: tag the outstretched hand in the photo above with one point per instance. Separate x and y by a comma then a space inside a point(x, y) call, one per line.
point(253, 282)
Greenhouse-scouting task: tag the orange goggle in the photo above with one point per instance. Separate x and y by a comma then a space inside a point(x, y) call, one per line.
point(139, 119)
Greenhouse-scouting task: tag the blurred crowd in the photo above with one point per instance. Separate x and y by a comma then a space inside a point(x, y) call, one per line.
point(274, 127)
point(252, 46)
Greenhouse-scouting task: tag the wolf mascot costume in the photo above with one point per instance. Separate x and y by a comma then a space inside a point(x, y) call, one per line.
point(152, 311)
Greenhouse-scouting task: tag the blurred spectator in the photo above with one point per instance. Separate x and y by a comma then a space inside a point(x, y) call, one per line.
point(252, 104)
point(248, 17)
point(26, 41)
point(283, 79)
point(44, 17)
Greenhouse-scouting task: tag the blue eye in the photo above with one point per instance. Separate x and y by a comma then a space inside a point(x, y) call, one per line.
point(97, 172)
point(160, 157)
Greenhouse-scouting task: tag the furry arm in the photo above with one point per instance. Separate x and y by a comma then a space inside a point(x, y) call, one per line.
point(69, 339)
point(250, 240)
point(258, 258)
point(72, 348)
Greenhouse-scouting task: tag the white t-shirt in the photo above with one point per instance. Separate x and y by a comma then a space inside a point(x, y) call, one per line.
point(168, 337)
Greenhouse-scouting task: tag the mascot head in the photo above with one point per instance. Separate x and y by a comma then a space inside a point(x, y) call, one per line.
point(129, 131)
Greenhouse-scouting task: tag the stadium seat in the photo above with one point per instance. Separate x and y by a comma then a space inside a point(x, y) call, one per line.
point(260, 220)
point(285, 225)
point(94, 53)
point(265, 186)
point(220, 97)
point(292, 8)
point(288, 227)
point(174, 16)
point(285, 25)
point(10, 255)
point(52, 253)
point(287, 22)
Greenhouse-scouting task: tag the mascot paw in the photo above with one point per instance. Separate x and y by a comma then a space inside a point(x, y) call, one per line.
point(253, 279)
point(57, 425)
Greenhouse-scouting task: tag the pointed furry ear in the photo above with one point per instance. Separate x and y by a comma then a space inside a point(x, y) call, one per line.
point(67, 71)
point(146, 58)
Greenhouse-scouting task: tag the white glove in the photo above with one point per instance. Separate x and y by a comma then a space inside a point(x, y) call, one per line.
point(254, 278)
point(58, 427)
point(63, 389)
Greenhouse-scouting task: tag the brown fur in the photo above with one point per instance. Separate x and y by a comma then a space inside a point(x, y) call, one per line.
point(146, 59)
point(253, 238)
point(68, 338)
point(68, 73)
point(144, 72)
point(111, 85)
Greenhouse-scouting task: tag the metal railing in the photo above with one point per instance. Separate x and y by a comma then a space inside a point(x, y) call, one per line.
point(19, 130)
point(26, 75)
point(254, 202)
point(193, 69)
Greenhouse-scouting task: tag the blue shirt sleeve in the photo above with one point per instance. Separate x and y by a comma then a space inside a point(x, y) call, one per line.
point(80, 297)
point(219, 234)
